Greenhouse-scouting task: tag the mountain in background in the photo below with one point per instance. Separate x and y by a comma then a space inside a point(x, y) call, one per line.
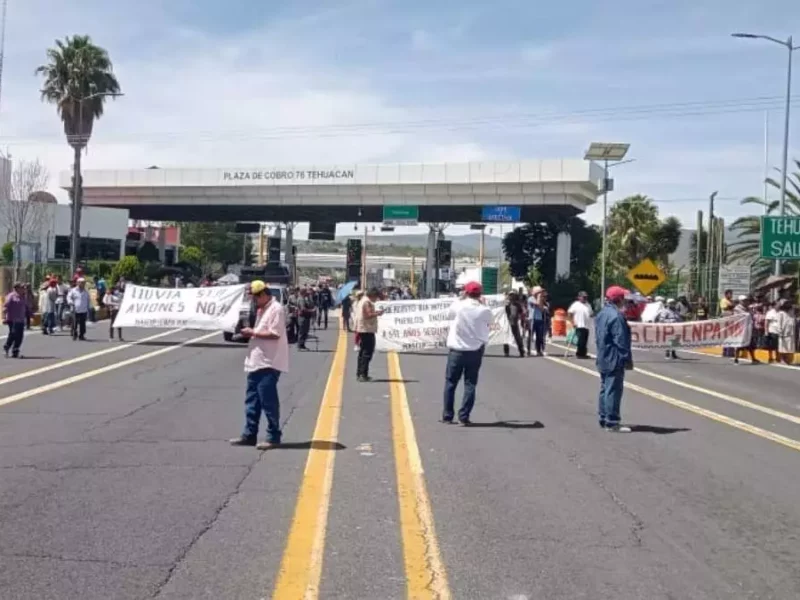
point(469, 244)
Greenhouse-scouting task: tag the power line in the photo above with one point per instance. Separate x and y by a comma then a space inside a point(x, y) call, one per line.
point(517, 121)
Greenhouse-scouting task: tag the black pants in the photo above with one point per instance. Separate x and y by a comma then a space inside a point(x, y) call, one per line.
point(16, 332)
point(582, 335)
point(346, 319)
point(79, 325)
point(517, 339)
point(304, 324)
point(323, 310)
point(112, 314)
point(365, 352)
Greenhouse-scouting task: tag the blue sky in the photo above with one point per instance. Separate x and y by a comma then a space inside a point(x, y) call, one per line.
point(207, 84)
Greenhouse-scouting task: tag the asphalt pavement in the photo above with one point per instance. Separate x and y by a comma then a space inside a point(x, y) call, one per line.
point(117, 481)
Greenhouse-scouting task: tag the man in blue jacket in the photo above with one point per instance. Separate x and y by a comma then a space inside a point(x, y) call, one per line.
point(614, 357)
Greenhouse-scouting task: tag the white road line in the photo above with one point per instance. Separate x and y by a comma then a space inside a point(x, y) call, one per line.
point(714, 394)
point(81, 358)
point(99, 371)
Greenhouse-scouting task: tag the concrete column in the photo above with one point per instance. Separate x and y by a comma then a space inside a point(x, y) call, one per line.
point(563, 254)
point(162, 244)
point(288, 256)
point(430, 264)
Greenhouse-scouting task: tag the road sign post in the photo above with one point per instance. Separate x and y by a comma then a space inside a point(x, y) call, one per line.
point(780, 238)
point(646, 276)
point(400, 215)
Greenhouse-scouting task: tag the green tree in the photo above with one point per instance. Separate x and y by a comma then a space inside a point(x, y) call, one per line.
point(218, 242)
point(747, 248)
point(531, 251)
point(635, 232)
point(8, 252)
point(192, 255)
point(130, 268)
point(78, 79)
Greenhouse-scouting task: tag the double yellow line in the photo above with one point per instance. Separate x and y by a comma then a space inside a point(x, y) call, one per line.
point(301, 567)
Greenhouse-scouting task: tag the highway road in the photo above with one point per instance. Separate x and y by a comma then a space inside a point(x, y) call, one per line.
point(117, 481)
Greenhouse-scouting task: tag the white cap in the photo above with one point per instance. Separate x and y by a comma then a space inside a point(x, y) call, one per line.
point(659, 298)
point(742, 298)
point(81, 280)
point(670, 300)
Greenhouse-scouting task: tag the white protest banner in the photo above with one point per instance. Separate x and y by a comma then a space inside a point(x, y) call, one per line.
point(209, 308)
point(412, 325)
point(731, 332)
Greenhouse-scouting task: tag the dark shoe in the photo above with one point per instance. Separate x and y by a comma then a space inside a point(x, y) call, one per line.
point(618, 429)
point(243, 440)
point(364, 379)
point(446, 421)
point(267, 445)
point(464, 422)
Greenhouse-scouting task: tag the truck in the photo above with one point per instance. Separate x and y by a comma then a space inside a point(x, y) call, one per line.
point(277, 281)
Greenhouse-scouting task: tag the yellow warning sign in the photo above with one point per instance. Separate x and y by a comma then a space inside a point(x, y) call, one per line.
point(646, 276)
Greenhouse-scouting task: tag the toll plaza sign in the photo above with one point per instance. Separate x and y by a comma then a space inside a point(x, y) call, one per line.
point(288, 176)
point(646, 276)
point(780, 238)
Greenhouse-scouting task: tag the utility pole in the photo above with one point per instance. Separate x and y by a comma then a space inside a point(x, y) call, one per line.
point(698, 251)
point(710, 244)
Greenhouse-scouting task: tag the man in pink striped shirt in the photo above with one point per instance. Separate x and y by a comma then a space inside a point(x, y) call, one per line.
point(267, 357)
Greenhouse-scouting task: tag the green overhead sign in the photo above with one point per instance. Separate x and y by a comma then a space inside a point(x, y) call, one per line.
point(780, 238)
point(401, 215)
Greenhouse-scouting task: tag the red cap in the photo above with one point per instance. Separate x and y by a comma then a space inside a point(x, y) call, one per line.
point(473, 288)
point(616, 292)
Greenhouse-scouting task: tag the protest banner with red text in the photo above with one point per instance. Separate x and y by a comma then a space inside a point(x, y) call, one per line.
point(731, 332)
point(413, 325)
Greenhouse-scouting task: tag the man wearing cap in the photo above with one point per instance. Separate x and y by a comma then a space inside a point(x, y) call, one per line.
point(669, 314)
point(267, 357)
point(466, 339)
point(614, 357)
point(580, 313)
point(15, 313)
point(366, 328)
point(78, 299)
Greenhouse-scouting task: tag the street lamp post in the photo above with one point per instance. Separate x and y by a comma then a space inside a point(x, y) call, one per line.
point(788, 43)
point(606, 152)
point(79, 143)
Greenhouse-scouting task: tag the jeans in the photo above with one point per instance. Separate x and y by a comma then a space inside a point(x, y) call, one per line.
point(365, 351)
point(262, 394)
point(304, 324)
point(16, 332)
point(537, 332)
point(517, 339)
point(468, 364)
point(582, 335)
point(112, 314)
point(611, 386)
point(79, 325)
point(48, 322)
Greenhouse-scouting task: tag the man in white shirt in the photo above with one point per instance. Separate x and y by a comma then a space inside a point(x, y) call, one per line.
point(78, 300)
point(267, 357)
point(466, 339)
point(580, 313)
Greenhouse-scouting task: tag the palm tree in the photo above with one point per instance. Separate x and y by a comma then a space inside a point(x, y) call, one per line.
point(748, 229)
point(78, 78)
point(632, 230)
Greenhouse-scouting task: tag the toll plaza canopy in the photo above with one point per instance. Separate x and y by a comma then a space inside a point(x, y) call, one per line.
point(449, 192)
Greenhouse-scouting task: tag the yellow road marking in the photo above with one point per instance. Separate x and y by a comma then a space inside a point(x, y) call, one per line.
point(763, 433)
point(301, 566)
point(99, 371)
point(714, 394)
point(81, 358)
point(425, 573)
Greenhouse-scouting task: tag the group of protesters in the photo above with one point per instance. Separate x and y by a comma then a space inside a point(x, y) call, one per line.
point(60, 305)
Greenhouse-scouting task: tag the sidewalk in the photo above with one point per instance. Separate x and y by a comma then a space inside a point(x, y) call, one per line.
point(761, 355)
